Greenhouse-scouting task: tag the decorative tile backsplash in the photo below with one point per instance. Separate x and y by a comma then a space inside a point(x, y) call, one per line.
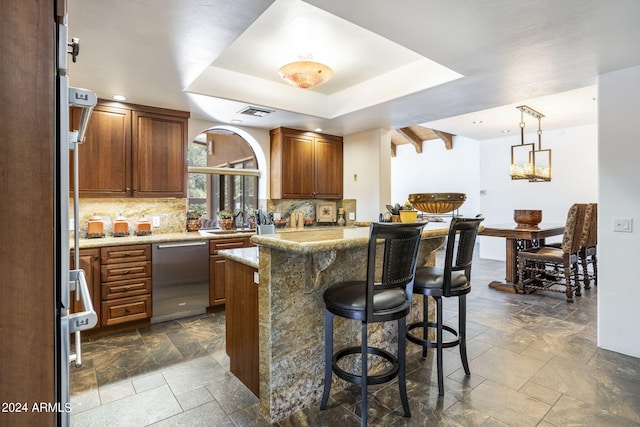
point(171, 212)
point(285, 207)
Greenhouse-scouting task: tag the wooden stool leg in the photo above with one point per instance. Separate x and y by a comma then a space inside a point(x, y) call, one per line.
point(328, 357)
point(364, 408)
point(402, 358)
point(462, 332)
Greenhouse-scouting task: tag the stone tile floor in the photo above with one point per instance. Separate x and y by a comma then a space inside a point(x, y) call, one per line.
point(533, 359)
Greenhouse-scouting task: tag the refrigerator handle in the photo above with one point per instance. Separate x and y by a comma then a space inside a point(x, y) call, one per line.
point(87, 318)
point(83, 320)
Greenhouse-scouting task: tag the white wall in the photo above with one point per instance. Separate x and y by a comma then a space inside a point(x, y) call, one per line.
point(367, 154)
point(574, 180)
point(438, 170)
point(619, 178)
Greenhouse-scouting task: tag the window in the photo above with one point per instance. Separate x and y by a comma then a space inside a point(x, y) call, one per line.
point(223, 175)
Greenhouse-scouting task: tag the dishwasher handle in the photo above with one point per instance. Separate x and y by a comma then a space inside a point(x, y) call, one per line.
point(180, 245)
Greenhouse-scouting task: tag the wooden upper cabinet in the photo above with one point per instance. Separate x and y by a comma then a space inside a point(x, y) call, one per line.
point(133, 151)
point(305, 165)
point(105, 156)
point(160, 155)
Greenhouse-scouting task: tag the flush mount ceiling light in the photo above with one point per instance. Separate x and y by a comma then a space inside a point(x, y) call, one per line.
point(305, 73)
point(527, 162)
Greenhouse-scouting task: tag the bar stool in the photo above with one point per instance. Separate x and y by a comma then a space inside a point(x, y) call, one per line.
point(451, 281)
point(381, 297)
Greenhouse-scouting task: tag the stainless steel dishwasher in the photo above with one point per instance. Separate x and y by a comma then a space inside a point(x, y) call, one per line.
point(180, 279)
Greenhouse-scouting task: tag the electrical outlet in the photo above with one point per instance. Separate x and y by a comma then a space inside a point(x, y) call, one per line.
point(72, 224)
point(352, 216)
point(623, 225)
point(155, 221)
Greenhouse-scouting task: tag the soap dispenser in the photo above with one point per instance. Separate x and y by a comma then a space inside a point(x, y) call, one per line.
point(95, 227)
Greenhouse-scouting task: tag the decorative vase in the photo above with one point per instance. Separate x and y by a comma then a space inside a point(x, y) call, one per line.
point(193, 224)
point(341, 220)
point(225, 223)
point(408, 216)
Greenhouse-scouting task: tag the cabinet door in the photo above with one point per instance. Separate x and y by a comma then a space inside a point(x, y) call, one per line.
point(328, 168)
point(159, 155)
point(297, 167)
point(104, 159)
point(217, 265)
point(90, 263)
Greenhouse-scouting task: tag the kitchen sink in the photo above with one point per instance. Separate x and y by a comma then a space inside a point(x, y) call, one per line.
point(208, 231)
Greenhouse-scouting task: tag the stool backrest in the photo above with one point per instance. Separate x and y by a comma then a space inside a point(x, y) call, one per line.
point(461, 242)
point(391, 260)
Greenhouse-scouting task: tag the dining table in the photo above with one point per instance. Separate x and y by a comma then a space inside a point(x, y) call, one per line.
point(518, 237)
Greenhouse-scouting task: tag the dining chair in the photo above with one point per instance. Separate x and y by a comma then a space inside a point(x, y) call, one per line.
point(555, 269)
point(588, 245)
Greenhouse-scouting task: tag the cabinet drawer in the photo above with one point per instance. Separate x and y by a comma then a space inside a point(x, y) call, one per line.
point(125, 288)
point(126, 310)
point(219, 245)
point(119, 254)
point(124, 271)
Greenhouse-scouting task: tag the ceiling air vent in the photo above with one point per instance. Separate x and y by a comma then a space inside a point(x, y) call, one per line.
point(256, 112)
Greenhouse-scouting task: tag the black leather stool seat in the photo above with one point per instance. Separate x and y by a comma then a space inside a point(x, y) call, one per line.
point(350, 297)
point(433, 278)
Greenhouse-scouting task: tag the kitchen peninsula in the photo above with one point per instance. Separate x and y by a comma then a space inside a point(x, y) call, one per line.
point(294, 269)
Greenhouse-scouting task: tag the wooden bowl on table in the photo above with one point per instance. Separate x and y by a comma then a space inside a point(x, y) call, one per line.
point(527, 218)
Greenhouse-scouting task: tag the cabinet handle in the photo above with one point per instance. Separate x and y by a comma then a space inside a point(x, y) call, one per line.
point(126, 272)
point(127, 189)
point(126, 310)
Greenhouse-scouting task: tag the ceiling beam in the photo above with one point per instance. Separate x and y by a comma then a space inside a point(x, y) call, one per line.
point(415, 140)
point(447, 138)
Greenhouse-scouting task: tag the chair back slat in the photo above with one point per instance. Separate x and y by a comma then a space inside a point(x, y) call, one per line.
point(461, 241)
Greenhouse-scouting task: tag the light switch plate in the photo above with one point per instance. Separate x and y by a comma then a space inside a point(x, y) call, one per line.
point(155, 221)
point(623, 225)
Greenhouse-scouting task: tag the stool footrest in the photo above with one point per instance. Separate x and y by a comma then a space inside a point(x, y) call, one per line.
point(431, 344)
point(379, 378)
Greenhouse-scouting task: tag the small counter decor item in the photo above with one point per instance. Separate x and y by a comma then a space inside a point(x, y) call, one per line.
point(341, 220)
point(120, 226)
point(95, 227)
point(225, 220)
point(193, 221)
point(395, 212)
point(251, 220)
point(527, 218)
point(143, 226)
point(408, 213)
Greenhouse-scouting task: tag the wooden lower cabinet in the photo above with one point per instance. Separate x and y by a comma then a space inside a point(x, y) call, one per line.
point(125, 289)
point(90, 263)
point(242, 324)
point(217, 266)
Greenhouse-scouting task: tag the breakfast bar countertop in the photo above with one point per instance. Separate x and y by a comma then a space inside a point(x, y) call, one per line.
point(322, 239)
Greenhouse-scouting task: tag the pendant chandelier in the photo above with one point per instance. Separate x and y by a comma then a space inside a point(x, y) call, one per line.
point(527, 162)
point(305, 73)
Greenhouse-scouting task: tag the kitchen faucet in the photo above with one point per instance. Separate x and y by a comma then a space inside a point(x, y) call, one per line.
point(235, 218)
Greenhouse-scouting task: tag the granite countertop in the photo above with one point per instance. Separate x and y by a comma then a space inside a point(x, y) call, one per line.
point(246, 256)
point(330, 239)
point(156, 238)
